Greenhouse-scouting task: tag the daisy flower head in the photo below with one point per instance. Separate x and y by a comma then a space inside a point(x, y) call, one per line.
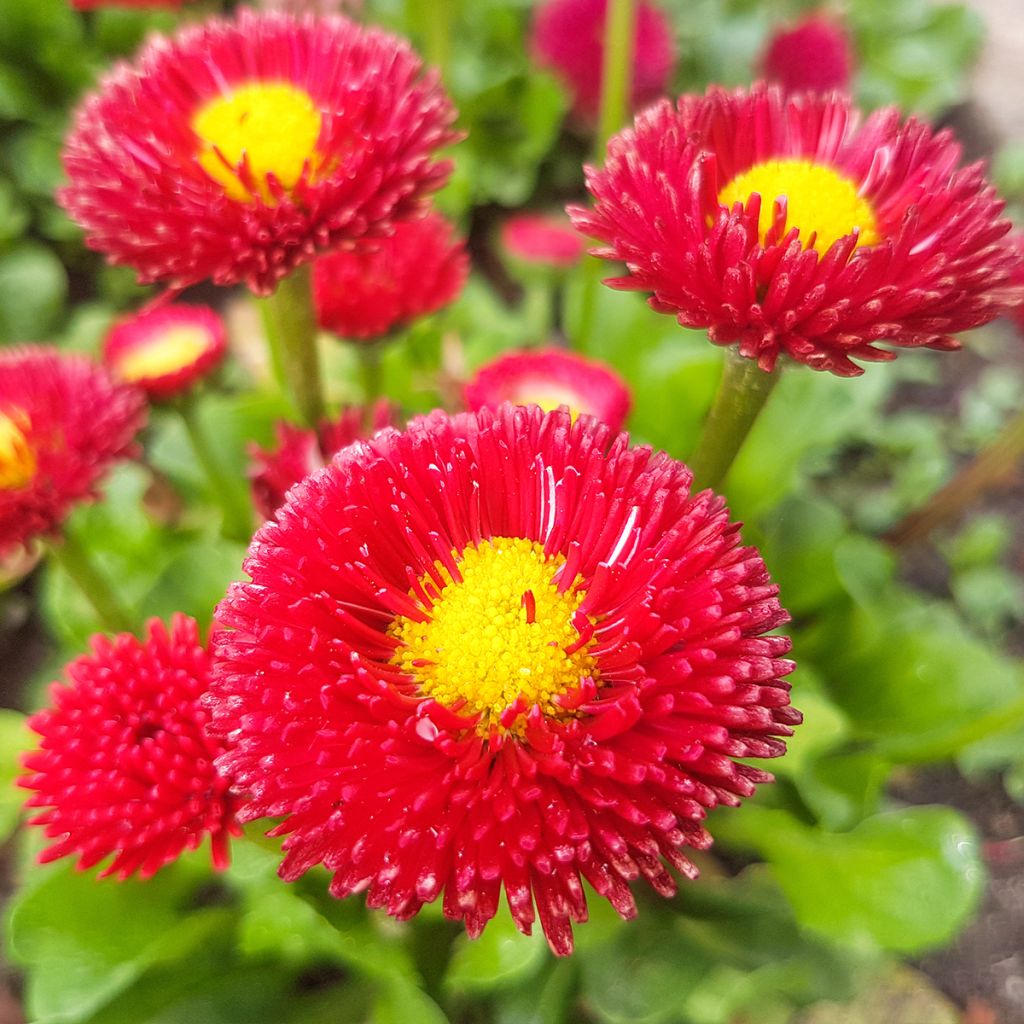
point(551, 377)
point(300, 451)
point(124, 768)
point(815, 55)
point(368, 291)
point(238, 149)
point(547, 240)
point(166, 350)
point(63, 423)
point(790, 226)
point(499, 651)
point(567, 36)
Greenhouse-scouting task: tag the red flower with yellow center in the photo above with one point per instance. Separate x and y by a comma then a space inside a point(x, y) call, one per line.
point(63, 422)
point(367, 292)
point(299, 452)
point(167, 350)
point(125, 765)
point(500, 650)
point(238, 149)
point(787, 227)
point(551, 377)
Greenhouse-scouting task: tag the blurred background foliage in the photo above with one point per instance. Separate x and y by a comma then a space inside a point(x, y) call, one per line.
point(819, 888)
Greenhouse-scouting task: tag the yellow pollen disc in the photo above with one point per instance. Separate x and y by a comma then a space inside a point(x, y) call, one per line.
point(818, 199)
point(163, 353)
point(488, 645)
point(274, 125)
point(17, 459)
point(549, 400)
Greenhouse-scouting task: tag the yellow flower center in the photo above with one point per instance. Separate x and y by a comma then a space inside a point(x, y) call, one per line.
point(501, 638)
point(163, 353)
point(275, 126)
point(17, 458)
point(819, 200)
point(549, 400)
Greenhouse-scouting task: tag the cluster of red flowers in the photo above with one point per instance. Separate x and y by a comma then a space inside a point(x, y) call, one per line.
point(496, 651)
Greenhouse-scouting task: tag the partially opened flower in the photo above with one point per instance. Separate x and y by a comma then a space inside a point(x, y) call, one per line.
point(500, 650)
point(167, 350)
point(551, 377)
point(299, 452)
point(238, 149)
point(814, 55)
point(567, 36)
point(124, 768)
point(545, 239)
point(367, 292)
point(787, 226)
point(63, 422)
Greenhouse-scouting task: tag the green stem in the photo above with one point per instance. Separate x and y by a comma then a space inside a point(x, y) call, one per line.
point(77, 563)
point(616, 70)
point(436, 20)
point(370, 372)
point(233, 502)
point(291, 318)
point(742, 393)
point(995, 465)
point(270, 332)
point(616, 96)
point(538, 310)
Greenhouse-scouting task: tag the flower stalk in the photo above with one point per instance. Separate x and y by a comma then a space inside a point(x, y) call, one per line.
point(234, 504)
point(741, 396)
point(616, 89)
point(76, 561)
point(291, 320)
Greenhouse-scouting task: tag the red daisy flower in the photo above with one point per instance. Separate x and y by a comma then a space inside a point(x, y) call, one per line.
point(299, 452)
point(786, 226)
point(499, 650)
point(367, 292)
point(568, 37)
point(63, 422)
point(166, 350)
point(813, 56)
point(545, 239)
point(125, 766)
point(551, 377)
point(238, 149)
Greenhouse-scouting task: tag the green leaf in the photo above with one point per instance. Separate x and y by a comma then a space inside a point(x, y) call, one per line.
point(278, 921)
point(195, 580)
point(33, 286)
point(15, 738)
point(911, 677)
point(401, 1003)
point(500, 957)
point(801, 536)
point(903, 881)
point(85, 940)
